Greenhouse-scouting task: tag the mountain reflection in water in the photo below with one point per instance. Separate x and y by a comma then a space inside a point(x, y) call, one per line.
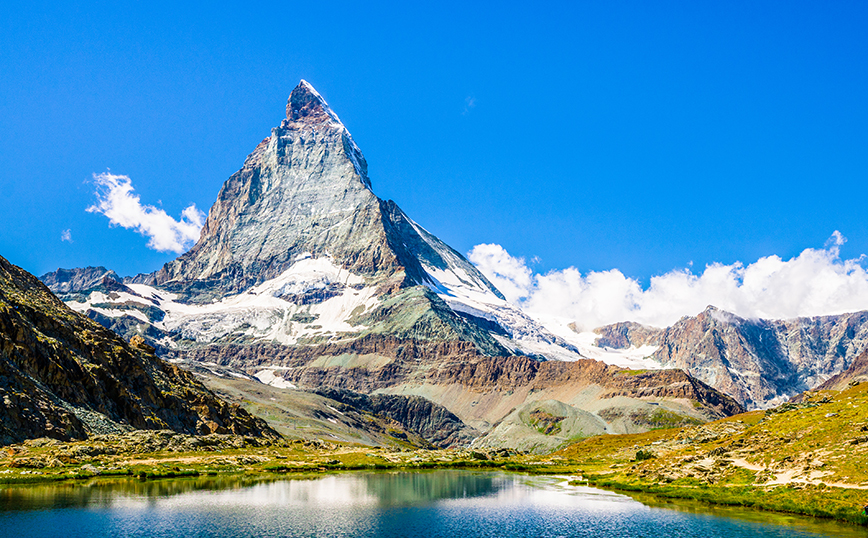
point(395, 488)
point(412, 504)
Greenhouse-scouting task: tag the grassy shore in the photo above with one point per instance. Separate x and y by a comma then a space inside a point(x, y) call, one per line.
point(809, 458)
point(157, 455)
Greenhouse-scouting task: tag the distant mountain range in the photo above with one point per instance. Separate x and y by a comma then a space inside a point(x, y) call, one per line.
point(758, 362)
point(303, 278)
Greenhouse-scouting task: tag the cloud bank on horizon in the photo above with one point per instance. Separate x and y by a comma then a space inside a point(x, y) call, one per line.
point(117, 200)
point(816, 282)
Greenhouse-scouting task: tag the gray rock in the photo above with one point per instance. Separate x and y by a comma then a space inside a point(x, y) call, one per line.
point(762, 363)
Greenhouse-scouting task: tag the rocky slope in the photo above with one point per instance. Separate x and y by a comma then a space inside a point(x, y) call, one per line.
point(855, 374)
point(483, 392)
point(67, 377)
point(807, 457)
point(759, 362)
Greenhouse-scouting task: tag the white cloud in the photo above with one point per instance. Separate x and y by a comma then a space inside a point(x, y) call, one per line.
point(66, 235)
point(510, 275)
point(816, 282)
point(117, 201)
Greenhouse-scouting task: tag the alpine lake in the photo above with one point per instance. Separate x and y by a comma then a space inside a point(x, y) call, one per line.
point(447, 503)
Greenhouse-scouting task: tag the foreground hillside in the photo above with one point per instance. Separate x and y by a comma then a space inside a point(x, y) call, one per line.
point(65, 376)
point(809, 457)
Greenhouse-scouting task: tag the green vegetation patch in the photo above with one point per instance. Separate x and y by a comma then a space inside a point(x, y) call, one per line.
point(545, 423)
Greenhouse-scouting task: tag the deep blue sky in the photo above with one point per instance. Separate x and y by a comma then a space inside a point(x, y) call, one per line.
point(634, 135)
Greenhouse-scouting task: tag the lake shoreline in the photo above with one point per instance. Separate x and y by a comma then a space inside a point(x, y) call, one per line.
point(165, 455)
point(822, 503)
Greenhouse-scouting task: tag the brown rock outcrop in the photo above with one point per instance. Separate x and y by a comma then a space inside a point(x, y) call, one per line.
point(384, 362)
point(625, 334)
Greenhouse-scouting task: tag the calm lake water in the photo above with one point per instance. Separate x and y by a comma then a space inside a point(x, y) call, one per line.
point(407, 504)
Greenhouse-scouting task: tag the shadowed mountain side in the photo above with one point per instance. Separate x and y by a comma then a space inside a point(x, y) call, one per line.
point(67, 377)
point(431, 421)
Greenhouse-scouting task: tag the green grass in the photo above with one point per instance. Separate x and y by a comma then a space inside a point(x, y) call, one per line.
point(822, 440)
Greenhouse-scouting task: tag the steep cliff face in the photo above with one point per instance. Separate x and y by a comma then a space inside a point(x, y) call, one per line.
point(855, 374)
point(763, 362)
point(303, 190)
point(65, 376)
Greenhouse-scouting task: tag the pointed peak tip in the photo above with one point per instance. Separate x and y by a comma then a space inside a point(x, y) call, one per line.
point(307, 105)
point(306, 87)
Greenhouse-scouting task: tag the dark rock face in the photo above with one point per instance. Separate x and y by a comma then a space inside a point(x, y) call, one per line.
point(65, 376)
point(432, 422)
point(760, 362)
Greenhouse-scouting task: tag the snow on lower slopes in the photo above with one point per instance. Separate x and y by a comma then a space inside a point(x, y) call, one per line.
point(465, 295)
point(270, 377)
point(632, 357)
point(266, 313)
point(262, 313)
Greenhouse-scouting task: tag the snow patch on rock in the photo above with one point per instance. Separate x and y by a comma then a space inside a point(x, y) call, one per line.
point(261, 313)
point(269, 377)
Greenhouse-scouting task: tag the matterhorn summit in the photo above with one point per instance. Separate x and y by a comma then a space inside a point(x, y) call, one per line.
point(297, 249)
point(302, 278)
point(303, 190)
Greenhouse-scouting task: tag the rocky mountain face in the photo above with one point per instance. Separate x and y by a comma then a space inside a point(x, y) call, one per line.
point(626, 334)
point(431, 421)
point(67, 377)
point(68, 281)
point(501, 397)
point(302, 277)
point(855, 374)
point(760, 363)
